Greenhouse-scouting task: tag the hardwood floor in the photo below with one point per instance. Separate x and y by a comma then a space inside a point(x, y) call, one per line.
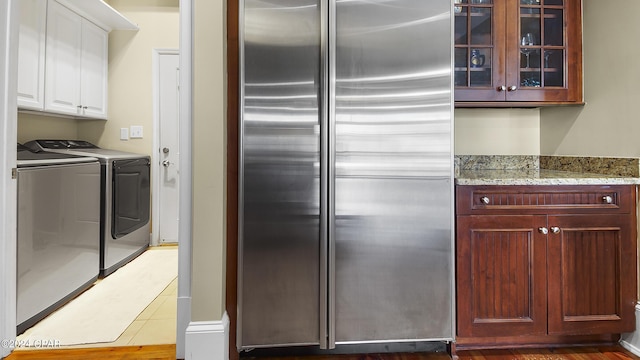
point(575, 353)
point(166, 352)
point(155, 352)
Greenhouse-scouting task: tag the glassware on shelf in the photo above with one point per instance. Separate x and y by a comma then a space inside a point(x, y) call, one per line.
point(477, 59)
point(527, 40)
point(547, 55)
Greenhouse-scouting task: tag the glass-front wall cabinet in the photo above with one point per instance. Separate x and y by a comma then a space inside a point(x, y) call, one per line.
point(523, 51)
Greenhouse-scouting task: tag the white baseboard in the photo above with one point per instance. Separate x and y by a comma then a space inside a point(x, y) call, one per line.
point(631, 341)
point(207, 340)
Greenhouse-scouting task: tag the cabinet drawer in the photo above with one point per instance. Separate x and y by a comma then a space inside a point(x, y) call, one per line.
point(532, 199)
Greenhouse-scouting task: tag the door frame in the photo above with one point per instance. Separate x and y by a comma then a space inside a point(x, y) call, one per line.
point(155, 156)
point(9, 27)
point(233, 118)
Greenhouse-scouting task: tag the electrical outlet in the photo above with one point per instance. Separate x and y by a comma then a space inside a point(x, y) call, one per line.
point(124, 134)
point(136, 132)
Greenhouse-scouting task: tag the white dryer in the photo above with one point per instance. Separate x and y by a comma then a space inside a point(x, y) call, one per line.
point(125, 199)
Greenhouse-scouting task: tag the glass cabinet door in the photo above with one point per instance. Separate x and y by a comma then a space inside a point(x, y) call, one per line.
point(527, 52)
point(542, 44)
point(476, 56)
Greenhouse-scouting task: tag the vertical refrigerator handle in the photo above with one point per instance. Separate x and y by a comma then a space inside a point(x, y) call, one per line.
point(331, 170)
point(327, 174)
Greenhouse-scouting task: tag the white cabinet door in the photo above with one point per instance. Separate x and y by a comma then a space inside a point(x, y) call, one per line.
point(63, 60)
point(93, 86)
point(31, 54)
point(76, 64)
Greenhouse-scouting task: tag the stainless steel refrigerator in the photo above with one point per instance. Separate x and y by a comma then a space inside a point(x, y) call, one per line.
point(345, 201)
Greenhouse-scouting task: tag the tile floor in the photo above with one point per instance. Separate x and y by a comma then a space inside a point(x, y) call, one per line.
point(156, 324)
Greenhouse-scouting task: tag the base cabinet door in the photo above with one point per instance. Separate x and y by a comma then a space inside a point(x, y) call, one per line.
point(501, 276)
point(588, 288)
point(545, 264)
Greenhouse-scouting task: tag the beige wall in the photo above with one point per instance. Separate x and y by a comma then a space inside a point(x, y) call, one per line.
point(34, 126)
point(209, 160)
point(608, 124)
point(131, 71)
point(497, 132)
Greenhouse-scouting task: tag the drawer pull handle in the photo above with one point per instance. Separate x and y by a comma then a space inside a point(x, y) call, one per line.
point(543, 230)
point(555, 230)
point(485, 200)
point(607, 199)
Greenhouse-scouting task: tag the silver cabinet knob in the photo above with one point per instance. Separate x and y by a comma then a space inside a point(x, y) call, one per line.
point(543, 230)
point(502, 88)
point(165, 150)
point(485, 200)
point(607, 199)
point(555, 230)
point(166, 163)
point(513, 88)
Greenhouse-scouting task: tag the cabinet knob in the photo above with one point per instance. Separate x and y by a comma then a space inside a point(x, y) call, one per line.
point(485, 200)
point(607, 199)
point(513, 88)
point(502, 88)
point(555, 230)
point(166, 163)
point(85, 107)
point(543, 230)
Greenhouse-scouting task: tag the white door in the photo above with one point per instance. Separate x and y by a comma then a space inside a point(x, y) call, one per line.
point(169, 134)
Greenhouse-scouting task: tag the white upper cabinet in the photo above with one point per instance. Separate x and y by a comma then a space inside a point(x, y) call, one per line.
point(76, 65)
point(63, 56)
point(93, 77)
point(64, 41)
point(31, 52)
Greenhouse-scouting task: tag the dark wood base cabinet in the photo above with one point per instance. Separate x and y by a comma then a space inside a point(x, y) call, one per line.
point(543, 265)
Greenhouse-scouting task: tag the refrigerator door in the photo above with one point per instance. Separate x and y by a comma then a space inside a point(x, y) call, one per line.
point(393, 171)
point(279, 216)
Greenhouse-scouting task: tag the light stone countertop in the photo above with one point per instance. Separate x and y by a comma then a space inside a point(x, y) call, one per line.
point(539, 177)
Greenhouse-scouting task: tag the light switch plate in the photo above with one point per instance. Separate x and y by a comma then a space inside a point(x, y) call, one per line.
point(124, 134)
point(136, 132)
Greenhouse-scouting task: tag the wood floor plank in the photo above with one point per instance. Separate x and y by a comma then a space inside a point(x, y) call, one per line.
point(167, 352)
point(151, 352)
point(573, 353)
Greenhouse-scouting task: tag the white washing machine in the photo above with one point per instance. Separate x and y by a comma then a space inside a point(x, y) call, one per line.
point(125, 199)
point(58, 231)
